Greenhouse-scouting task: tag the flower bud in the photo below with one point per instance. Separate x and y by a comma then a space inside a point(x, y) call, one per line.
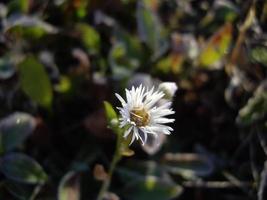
point(169, 89)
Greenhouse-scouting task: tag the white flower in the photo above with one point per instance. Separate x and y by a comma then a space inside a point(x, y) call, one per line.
point(140, 114)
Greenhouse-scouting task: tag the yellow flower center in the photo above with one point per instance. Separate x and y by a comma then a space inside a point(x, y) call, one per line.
point(139, 116)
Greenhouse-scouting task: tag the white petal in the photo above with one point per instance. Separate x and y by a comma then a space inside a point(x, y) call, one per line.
point(134, 135)
point(127, 132)
point(128, 96)
point(121, 99)
point(163, 120)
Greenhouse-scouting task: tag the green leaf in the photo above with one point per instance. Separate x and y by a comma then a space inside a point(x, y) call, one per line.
point(187, 165)
point(131, 43)
point(121, 63)
point(90, 37)
point(217, 47)
point(111, 115)
point(35, 82)
point(14, 130)
point(69, 187)
point(171, 63)
point(28, 27)
point(81, 8)
point(64, 85)
point(259, 54)
point(22, 168)
point(255, 109)
point(21, 6)
point(150, 29)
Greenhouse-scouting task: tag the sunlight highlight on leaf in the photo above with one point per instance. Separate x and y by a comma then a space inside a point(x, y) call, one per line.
point(217, 47)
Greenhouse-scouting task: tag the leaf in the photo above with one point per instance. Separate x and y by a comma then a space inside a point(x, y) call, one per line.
point(171, 63)
point(64, 85)
point(147, 180)
point(35, 82)
point(256, 107)
point(69, 187)
point(22, 168)
point(28, 26)
point(216, 47)
point(81, 8)
point(100, 173)
point(150, 29)
point(131, 43)
point(20, 191)
point(225, 10)
point(111, 115)
point(7, 68)
point(14, 130)
point(152, 187)
point(222, 10)
point(259, 54)
point(90, 37)
point(188, 165)
point(18, 6)
point(121, 63)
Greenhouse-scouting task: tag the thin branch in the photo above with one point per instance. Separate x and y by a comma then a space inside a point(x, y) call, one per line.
point(217, 184)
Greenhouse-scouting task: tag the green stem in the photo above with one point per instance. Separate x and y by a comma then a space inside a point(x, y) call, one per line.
point(115, 160)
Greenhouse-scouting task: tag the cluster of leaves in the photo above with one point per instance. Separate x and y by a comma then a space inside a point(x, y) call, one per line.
point(59, 60)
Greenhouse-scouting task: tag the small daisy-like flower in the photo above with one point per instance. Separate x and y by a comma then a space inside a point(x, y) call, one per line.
point(140, 114)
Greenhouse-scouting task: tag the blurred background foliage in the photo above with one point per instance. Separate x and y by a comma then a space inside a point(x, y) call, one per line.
point(60, 59)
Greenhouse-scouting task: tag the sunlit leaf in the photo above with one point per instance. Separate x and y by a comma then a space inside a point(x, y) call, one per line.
point(171, 63)
point(69, 187)
point(28, 26)
point(22, 168)
point(14, 130)
point(35, 82)
point(64, 85)
point(81, 8)
point(111, 115)
point(217, 46)
point(89, 37)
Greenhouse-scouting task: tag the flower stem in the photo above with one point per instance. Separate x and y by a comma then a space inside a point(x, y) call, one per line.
point(115, 160)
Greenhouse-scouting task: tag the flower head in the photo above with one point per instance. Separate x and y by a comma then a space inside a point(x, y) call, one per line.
point(141, 115)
